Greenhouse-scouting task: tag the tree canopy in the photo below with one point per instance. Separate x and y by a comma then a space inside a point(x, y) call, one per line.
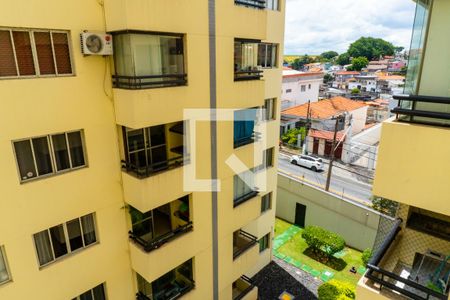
point(358, 63)
point(329, 54)
point(300, 62)
point(343, 59)
point(371, 48)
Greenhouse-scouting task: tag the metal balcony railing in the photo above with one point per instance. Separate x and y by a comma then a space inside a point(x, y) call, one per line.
point(244, 242)
point(260, 4)
point(150, 81)
point(241, 75)
point(173, 294)
point(247, 290)
point(409, 114)
point(151, 245)
point(388, 279)
point(155, 168)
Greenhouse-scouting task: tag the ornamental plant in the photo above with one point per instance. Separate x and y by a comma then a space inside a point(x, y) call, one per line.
point(322, 240)
point(336, 290)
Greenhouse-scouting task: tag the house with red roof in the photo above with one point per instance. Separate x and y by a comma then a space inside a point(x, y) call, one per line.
point(321, 117)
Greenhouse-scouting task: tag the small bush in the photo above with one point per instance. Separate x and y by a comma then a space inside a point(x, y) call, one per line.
point(323, 240)
point(366, 256)
point(336, 290)
point(355, 91)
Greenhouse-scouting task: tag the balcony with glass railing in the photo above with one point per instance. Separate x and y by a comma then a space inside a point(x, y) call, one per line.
point(154, 228)
point(153, 160)
point(244, 289)
point(170, 286)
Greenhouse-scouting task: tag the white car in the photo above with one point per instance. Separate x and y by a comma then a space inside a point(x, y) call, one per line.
point(308, 161)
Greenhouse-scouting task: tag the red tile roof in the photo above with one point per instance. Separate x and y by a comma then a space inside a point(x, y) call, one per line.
point(305, 74)
point(324, 109)
point(347, 73)
point(326, 135)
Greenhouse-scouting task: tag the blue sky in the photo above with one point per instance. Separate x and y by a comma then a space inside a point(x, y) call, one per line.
point(316, 26)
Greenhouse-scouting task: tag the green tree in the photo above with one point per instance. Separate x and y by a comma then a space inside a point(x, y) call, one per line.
point(300, 62)
point(291, 136)
point(399, 49)
point(336, 290)
point(343, 59)
point(322, 240)
point(371, 48)
point(327, 78)
point(355, 91)
point(366, 256)
point(358, 63)
point(385, 206)
point(329, 54)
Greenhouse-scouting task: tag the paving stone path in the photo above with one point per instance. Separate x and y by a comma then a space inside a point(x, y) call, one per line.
point(285, 236)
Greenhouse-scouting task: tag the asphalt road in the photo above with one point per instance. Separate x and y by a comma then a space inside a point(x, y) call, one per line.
point(342, 182)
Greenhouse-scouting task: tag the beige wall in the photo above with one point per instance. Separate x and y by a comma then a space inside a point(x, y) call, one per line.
point(355, 223)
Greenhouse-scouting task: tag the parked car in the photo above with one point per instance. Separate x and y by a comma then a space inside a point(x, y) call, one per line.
point(308, 161)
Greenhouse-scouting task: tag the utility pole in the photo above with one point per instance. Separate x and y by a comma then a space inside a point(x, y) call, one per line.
point(327, 185)
point(307, 127)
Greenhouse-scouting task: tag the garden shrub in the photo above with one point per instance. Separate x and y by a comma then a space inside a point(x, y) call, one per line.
point(320, 239)
point(336, 290)
point(366, 256)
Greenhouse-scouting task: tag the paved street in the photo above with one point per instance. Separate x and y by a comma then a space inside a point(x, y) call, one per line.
point(342, 182)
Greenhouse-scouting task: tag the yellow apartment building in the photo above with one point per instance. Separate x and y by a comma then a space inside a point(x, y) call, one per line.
point(412, 260)
point(96, 148)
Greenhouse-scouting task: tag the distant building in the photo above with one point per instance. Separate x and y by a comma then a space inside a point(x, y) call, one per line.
point(365, 83)
point(321, 115)
point(341, 78)
point(299, 87)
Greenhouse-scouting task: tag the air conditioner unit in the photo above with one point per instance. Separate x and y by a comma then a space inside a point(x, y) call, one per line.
point(96, 43)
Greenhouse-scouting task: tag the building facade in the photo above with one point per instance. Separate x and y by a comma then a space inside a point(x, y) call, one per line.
point(300, 87)
point(95, 149)
point(412, 257)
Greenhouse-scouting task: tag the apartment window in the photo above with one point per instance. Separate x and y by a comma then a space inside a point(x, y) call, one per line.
point(288, 91)
point(272, 4)
point(264, 243)
point(97, 293)
point(303, 88)
point(244, 125)
point(62, 239)
point(267, 55)
point(269, 109)
point(268, 158)
point(309, 86)
point(146, 60)
point(243, 188)
point(25, 53)
point(246, 60)
point(266, 202)
point(50, 154)
point(4, 271)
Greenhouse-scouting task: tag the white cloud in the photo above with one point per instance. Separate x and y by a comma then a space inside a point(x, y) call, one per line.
point(316, 26)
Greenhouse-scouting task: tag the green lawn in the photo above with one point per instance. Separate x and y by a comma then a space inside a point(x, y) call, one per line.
point(295, 247)
point(281, 226)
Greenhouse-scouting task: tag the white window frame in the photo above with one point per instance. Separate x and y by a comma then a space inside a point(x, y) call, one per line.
point(266, 58)
point(5, 261)
point(66, 237)
point(34, 53)
point(52, 155)
point(273, 5)
point(272, 109)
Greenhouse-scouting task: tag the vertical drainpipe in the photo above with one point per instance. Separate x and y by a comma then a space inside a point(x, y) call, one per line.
point(213, 129)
